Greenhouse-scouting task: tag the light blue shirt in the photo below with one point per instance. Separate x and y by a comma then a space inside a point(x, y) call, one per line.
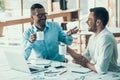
point(102, 52)
point(49, 47)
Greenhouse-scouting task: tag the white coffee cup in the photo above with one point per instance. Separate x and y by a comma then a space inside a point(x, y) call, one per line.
point(62, 49)
point(40, 35)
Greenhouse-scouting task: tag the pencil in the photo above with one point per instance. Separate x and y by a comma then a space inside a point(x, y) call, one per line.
point(62, 72)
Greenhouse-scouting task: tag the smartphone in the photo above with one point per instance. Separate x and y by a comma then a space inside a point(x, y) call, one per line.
point(59, 67)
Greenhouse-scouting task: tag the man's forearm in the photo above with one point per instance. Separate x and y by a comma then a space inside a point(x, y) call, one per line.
point(73, 53)
point(27, 49)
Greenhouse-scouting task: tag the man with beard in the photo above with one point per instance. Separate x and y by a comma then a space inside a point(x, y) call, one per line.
point(48, 48)
point(101, 53)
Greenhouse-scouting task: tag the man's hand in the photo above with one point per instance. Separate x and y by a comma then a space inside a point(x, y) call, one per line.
point(32, 38)
point(78, 58)
point(72, 31)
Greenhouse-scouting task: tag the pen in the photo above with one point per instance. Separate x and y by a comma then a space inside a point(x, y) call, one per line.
point(80, 72)
point(62, 72)
point(77, 72)
point(52, 72)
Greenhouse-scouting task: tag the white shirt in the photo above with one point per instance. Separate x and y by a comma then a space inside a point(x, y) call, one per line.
point(102, 51)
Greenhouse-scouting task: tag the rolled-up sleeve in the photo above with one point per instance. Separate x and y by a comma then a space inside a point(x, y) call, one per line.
point(27, 45)
point(105, 53)
point(63, 37)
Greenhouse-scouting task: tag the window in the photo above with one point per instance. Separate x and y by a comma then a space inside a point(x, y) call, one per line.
point(20, 9)
point(111, 6)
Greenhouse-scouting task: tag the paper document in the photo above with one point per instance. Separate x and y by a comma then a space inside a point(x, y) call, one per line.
point(81, 70)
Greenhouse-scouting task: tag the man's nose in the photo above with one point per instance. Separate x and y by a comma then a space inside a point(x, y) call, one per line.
point(42, 17)
point(87, 21)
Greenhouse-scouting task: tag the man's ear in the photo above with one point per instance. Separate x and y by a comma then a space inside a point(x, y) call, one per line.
point(98, 22)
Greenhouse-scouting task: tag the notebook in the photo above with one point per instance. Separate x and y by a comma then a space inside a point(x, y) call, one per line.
point(16, 60)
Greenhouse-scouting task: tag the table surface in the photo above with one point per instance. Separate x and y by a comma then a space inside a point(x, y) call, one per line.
point(71, 72)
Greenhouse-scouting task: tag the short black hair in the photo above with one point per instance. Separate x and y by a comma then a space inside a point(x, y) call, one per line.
point(36, 5)
point(101, 13)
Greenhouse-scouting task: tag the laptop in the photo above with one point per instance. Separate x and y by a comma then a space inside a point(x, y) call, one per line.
point(16, 60)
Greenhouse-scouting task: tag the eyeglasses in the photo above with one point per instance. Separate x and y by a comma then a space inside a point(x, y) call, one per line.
point(41, 15)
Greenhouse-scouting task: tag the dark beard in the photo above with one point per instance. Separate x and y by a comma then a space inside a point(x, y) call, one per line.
point(94, 29)
point(42, 24)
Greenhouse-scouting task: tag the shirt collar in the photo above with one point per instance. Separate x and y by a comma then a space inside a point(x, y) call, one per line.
point(35, 29)
point(102, 32)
